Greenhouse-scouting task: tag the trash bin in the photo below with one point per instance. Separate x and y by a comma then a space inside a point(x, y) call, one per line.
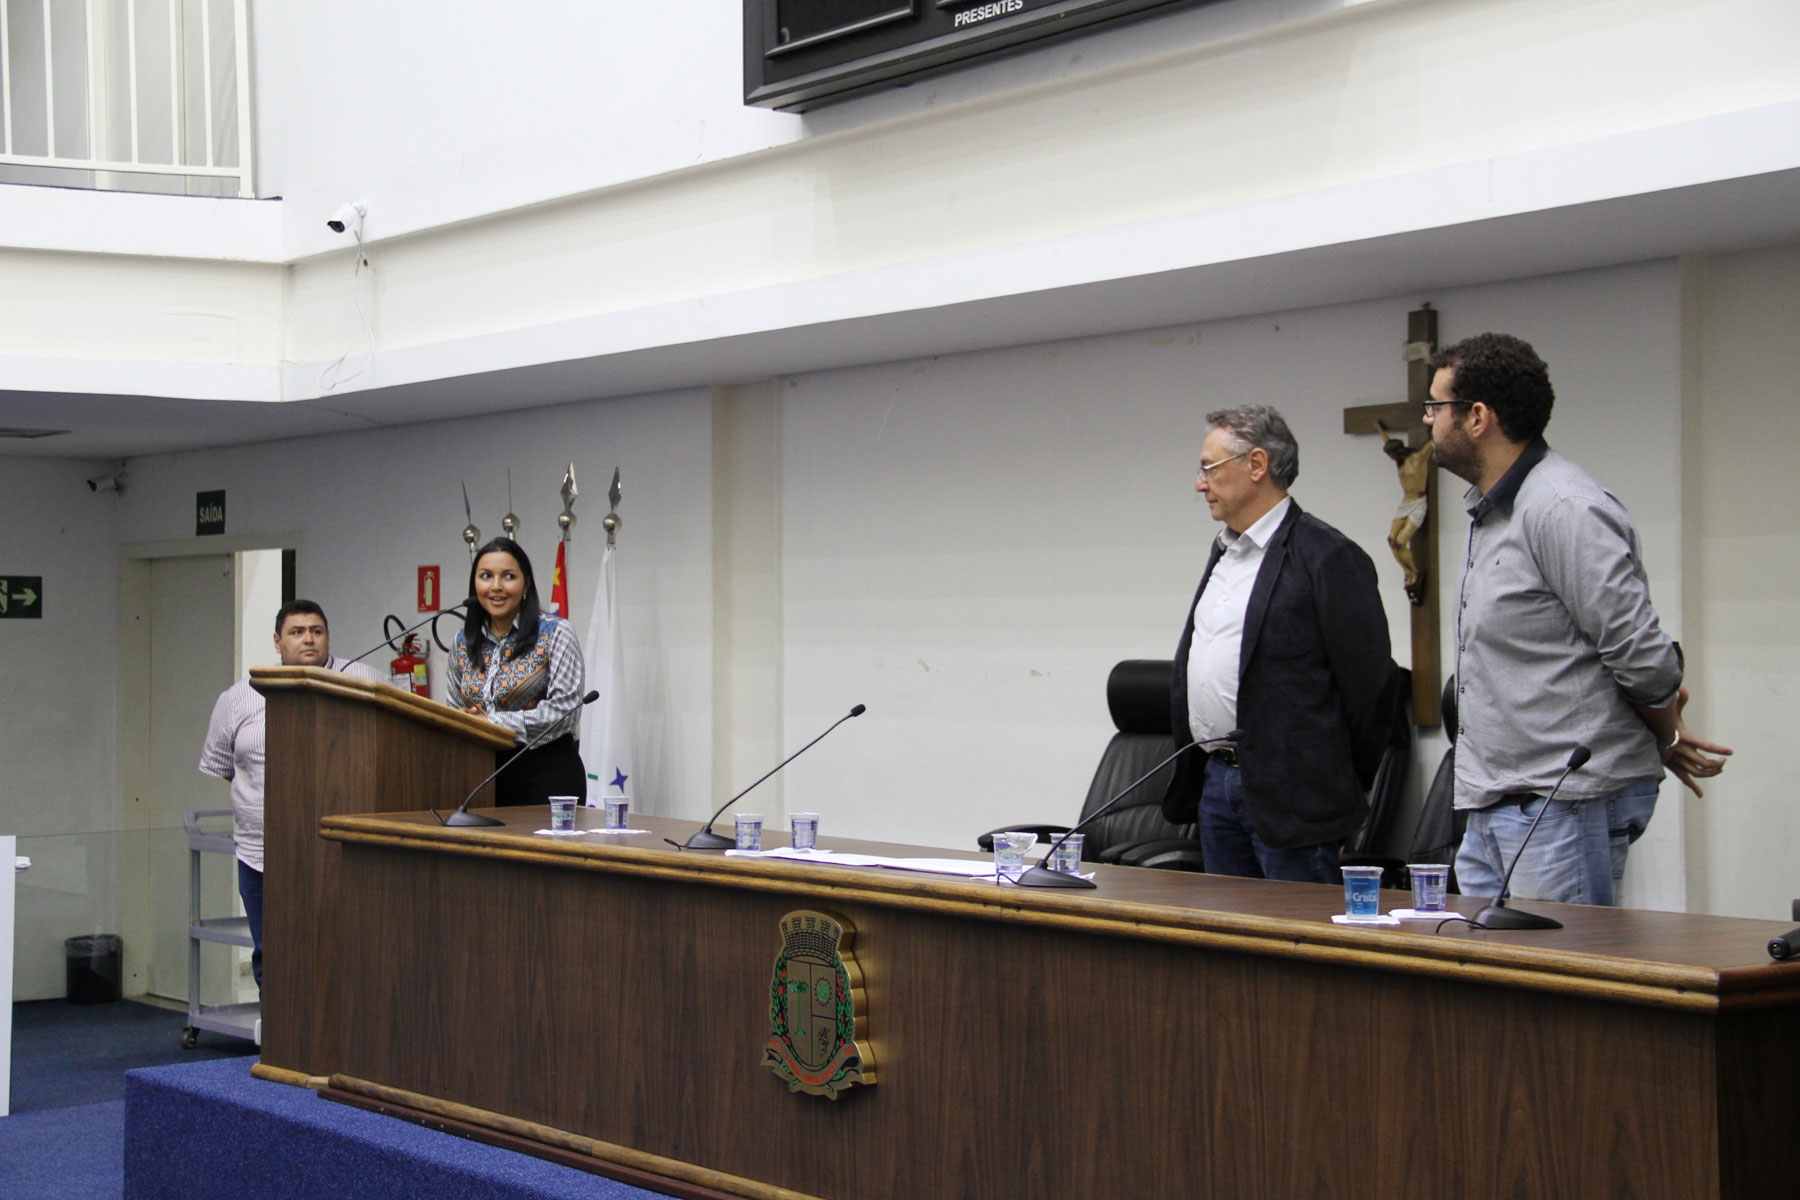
point(93, 967)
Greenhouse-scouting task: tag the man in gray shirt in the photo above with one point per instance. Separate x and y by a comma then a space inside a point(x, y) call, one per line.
point(234, 748)
point(1557, 644)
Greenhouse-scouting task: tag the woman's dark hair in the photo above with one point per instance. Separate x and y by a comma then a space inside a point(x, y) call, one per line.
point(526, 622)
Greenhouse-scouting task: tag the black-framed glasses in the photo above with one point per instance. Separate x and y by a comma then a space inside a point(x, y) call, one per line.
point(1206, 468)
point(1431, 406)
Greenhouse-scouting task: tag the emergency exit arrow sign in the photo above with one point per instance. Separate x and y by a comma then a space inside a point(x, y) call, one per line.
point(21, 597)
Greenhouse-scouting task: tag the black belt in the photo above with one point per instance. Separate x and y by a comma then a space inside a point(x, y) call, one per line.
point(1225, 754)
point(1517, 799)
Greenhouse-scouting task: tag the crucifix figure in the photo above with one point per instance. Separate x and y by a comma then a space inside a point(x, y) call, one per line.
point(1414, 463)
point(1406, 440)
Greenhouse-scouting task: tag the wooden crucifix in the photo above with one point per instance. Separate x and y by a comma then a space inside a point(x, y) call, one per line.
point(1406, 439)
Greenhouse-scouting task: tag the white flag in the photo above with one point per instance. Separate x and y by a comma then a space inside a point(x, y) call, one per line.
point(606, 723)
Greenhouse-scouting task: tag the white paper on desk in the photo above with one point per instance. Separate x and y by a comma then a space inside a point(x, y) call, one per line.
point(1413, 914)
point(935, 866)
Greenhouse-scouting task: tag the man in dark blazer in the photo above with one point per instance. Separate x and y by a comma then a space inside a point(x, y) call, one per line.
point(1286, 643)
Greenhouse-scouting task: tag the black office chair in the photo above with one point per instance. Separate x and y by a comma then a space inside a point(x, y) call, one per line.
point(1439, 830)
point(1386, 833)
point(1135, 833)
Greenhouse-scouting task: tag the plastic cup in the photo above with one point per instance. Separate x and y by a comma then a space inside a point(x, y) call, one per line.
point(562, 814)
point(805, 830)
point(1429, 881)
point(1067, 856)
point(618, 812)
point(1009, 852)
point(749, 831)
point(1362, 893)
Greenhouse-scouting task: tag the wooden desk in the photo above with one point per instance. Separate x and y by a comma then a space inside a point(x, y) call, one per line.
point(1168, 1035)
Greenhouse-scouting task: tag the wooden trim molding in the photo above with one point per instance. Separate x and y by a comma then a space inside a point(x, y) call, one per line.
point(416, 709)
point(1183, 918)
point(636, 1164)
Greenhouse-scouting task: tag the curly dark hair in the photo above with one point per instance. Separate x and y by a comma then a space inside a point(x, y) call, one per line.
point(1506, 374)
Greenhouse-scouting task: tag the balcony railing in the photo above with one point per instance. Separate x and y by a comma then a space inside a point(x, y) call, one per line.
point(127, 95)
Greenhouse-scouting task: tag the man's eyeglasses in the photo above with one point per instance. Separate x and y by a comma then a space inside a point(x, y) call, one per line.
point(1206, 468)
point(1431, 406)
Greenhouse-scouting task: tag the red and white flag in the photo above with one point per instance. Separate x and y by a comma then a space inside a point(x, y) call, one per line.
point(559, 584)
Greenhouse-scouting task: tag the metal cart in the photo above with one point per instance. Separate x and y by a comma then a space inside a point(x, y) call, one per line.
point(236, 1020)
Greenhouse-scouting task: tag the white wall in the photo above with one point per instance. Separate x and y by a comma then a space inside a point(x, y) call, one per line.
point(56, 713)
point(571, 183)
point(970, 542)
point(366, 510)
point(59, 788)
point(439, 121)
point(258, 577)
point(1743, 578)
point(966, 544)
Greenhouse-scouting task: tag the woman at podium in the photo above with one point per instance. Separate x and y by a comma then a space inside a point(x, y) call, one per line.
point(521, 669)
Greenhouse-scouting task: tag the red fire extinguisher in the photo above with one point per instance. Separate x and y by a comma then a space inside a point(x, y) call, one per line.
point(413, 668)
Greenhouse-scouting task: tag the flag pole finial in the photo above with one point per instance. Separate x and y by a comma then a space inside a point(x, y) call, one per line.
point(565, 520)
point(611, 522)
point(470, 534)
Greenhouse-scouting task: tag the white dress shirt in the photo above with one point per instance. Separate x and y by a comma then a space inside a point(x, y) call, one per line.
point(1212, 664)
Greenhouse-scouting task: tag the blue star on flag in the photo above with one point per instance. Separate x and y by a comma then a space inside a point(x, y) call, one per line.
point(619, 778)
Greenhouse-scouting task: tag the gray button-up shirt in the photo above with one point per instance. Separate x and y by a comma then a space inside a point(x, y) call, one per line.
point(1556, 638)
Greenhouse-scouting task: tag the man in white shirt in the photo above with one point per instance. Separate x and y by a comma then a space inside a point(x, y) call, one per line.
point(1286, 644)
point(234, 747)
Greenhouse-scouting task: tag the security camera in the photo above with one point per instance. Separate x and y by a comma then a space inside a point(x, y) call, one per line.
point(106, 483)
point(348, 217)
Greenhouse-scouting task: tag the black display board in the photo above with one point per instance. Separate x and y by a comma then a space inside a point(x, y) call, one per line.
point(802, 53)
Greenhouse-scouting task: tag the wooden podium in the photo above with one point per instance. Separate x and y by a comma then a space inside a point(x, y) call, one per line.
point(339, 745)
point(604, 1000)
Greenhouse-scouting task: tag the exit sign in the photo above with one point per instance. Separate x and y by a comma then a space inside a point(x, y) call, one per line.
point(22, 597)
point(209, 513)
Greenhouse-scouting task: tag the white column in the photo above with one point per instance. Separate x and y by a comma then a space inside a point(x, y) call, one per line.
point(9, 848)
point(747, 618)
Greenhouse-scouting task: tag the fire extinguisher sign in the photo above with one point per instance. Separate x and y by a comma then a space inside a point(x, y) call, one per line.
point(428, 588)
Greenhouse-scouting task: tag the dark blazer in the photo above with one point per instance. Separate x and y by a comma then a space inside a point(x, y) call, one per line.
point(1311, 681)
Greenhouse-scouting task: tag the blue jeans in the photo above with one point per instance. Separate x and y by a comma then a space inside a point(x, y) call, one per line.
point(1232, 847)
point(1576, 857)
point(250, 888)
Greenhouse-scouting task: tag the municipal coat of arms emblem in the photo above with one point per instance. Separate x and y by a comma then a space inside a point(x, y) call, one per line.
point(818, 1022)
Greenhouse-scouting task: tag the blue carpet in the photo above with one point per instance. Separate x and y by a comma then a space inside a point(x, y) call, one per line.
point(209, 1131)
point(66, 1054)
point(63, 1153)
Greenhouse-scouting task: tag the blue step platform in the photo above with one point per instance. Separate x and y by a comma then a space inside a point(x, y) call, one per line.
point(209, 1131)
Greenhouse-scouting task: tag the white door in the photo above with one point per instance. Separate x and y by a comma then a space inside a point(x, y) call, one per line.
point(193, 647)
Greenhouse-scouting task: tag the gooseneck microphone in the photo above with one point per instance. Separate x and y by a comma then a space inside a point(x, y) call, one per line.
point(705, 839)
point(389, 641)
point(1785, 946)
point(462, 815)
point(1042, 876)
point(1497, 915)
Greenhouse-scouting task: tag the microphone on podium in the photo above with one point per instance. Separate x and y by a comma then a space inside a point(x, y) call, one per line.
point(1042, 876)
point(462, 816)
point(1785, 946)
point(467, 602)
point(1497, 915)
point(705, 839)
